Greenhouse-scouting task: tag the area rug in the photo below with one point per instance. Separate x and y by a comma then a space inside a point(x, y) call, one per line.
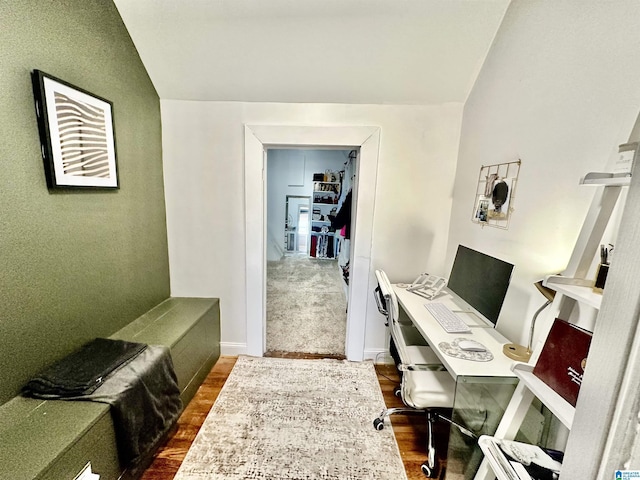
point(296, 419)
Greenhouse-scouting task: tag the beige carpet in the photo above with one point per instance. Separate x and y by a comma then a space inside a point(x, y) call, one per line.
point(280, 419)
point(306, 306)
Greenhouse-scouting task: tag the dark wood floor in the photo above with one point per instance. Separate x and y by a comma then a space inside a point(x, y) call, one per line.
point(410, 431)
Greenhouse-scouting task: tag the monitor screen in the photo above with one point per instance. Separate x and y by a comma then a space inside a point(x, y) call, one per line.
point(480, 280)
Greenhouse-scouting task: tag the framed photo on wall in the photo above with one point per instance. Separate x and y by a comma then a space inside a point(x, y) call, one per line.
point(76, 134)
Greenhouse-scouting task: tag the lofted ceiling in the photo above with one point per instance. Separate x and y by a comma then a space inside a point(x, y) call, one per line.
point(313, 51)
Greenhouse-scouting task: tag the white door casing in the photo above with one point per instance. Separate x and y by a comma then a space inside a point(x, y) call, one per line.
point(259, 137)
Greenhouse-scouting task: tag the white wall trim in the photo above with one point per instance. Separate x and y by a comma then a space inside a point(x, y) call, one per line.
point(259, 137)
point(378, 356)
point(233, 349)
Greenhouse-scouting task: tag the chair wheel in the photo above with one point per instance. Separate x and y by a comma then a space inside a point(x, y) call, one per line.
point(428, 471)
point(378, 424)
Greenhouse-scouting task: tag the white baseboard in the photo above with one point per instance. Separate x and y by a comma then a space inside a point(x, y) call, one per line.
point(233, 349)
point(378, 356)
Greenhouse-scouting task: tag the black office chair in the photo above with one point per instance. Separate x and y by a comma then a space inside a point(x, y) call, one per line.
point(425, 386)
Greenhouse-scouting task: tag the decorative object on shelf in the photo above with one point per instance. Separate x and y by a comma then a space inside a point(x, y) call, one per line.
point(627, 154)
point(603, 268)
point(563, 359)
point(330, 176)
point(601, 277)
point(520, 352)
point(77, 135)
point(495, 194)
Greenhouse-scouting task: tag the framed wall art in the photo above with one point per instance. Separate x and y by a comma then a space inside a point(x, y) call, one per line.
point(76, 134)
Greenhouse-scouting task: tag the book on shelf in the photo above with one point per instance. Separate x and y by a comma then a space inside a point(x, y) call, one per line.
point(523, 461)
point(563, 359)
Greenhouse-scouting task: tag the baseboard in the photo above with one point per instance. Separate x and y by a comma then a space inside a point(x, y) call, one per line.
point(378, 356)
point(233, 349)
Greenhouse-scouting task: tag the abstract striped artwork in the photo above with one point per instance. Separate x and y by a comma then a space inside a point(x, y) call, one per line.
point(83, 140)
point(76, 133)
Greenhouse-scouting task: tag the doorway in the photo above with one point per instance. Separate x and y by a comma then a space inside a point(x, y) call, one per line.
point(257, 139)
point(306, 294)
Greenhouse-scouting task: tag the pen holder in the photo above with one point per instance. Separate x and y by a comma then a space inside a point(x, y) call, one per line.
point(601, 277)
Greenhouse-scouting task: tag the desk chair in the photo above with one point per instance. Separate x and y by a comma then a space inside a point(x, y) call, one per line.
point(425, 386)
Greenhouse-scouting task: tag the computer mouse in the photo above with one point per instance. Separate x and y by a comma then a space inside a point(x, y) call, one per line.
point(471, 346)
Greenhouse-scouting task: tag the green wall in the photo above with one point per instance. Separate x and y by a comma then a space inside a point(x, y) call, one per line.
point(81, 264)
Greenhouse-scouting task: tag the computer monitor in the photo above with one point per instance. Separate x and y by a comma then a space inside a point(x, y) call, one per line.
point(480, 280)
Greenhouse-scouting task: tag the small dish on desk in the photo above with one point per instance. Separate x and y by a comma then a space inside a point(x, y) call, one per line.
point(402, 285)
point(471, 346)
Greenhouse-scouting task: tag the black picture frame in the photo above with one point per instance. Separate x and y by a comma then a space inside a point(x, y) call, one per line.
point(77, 135)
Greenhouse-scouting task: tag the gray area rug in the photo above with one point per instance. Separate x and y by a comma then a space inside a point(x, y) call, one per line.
point(306, 306)
point(288, 419)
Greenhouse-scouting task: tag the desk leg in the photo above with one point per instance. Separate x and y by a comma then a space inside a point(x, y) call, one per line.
point(479, 405)
point(509, 425)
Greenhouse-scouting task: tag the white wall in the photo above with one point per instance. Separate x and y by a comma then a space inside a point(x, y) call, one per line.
point(278, 169)
point(559, 90)
point(204, 191)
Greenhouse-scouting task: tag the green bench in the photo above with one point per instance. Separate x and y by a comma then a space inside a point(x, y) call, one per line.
point(54, 440)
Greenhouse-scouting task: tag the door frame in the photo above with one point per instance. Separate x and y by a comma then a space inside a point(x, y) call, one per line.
point(257, 139)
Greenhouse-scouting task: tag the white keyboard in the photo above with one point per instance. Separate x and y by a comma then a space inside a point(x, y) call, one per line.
point(448, 320)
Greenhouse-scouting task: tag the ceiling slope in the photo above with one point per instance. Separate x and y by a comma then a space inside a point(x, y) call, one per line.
point(313, 51)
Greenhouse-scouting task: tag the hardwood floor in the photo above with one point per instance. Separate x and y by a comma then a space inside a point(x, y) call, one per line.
point(410, 431)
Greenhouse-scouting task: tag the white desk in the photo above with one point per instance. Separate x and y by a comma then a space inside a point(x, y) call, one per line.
point(483, 389)
point(433, 333)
